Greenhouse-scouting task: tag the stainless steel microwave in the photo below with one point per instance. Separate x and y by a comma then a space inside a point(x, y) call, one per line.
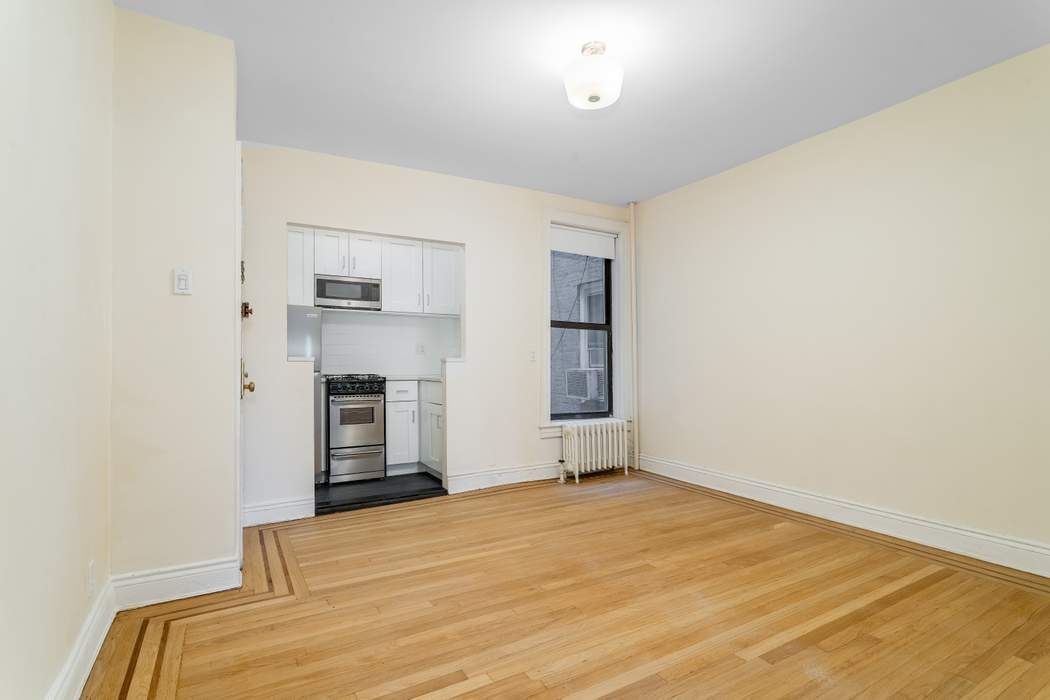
point(347, 292)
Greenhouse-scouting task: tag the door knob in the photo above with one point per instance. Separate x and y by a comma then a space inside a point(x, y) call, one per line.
point(249, 386)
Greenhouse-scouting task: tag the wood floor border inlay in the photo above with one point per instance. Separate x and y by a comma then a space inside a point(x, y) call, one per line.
point(662, 595)
point(190, 611)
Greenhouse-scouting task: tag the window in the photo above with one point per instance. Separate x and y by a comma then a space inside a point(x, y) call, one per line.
point(581, 336)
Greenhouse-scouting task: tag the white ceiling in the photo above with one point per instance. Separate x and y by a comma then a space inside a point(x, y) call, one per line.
point(473, 87)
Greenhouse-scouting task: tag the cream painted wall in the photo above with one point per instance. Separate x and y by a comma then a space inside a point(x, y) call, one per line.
point(866, 314)
point(174, 357)
point(54, 292)
point(493, 396)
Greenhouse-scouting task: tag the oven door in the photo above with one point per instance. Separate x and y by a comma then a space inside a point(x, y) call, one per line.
point(347, 292)
point(355, 421)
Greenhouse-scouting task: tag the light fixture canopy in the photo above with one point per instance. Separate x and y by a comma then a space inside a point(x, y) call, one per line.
point(594, 80)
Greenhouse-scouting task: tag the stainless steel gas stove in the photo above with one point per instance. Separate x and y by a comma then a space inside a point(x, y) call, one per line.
point(356, 427)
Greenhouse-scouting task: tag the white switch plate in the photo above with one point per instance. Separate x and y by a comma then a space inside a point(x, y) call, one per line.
point(181, 281)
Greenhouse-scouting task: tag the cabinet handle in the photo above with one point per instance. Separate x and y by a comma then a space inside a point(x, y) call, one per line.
point(419, 300)
point(353, 262)
point(428, 298)
point(342, 263)
point(356, 454)
point(413, 417)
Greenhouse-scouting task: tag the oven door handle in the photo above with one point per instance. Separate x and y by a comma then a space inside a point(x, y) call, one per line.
point(356, 454)
point(360, 401)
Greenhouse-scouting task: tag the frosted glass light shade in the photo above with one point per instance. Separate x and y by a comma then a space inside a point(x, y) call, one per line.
point(594, 80)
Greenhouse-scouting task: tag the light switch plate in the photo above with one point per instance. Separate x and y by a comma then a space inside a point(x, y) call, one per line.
point(182, 281)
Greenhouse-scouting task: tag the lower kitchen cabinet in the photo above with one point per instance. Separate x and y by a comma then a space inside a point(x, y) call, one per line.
point(402, 432)
point(432, 436)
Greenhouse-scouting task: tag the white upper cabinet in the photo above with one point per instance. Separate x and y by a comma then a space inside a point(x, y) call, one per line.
point(402, 275)
point(441, 274)
point(418, 276)
point(331, 253)
point(366, 256)
point(300, 266)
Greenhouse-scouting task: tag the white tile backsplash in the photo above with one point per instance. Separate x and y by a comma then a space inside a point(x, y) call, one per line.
point(386, 344)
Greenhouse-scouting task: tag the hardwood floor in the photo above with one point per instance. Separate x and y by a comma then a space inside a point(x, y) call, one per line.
point(624, 586)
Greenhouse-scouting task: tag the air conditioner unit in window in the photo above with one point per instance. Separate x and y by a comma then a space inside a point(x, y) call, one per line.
point(585, 384)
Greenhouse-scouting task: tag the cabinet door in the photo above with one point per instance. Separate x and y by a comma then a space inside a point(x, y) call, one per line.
point(402, 276)
point(300, 267)
point(425, 449)
point(402, 432)
point(436, 428)
point(330, 253)
point(366, 258)
point(432, 440)
point(441, 278)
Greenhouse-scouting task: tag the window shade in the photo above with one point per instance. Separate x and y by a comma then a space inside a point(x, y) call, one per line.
point(582, 242)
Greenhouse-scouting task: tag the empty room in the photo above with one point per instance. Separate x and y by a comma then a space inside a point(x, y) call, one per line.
point(531, 348)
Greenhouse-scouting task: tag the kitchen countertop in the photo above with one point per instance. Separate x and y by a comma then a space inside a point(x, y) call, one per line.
point(396, 377)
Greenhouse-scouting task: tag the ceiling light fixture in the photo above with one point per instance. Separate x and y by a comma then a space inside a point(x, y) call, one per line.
point(594, 80)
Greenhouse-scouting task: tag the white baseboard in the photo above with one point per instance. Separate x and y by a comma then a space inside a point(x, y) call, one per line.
point(74, 674)
point(126, 591)
point(1024, 555)
point(472, 481)
point(277, 511)
point(171, 583)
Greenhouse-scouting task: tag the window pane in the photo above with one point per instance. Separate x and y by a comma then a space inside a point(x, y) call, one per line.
point(577, 288)
point(579, 376)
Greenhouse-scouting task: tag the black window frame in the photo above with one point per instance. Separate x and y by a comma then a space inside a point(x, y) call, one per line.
point(582, 326)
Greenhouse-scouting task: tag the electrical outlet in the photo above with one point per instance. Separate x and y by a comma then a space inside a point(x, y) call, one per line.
point(91, 579)
point(421, 349)
point(532, 356)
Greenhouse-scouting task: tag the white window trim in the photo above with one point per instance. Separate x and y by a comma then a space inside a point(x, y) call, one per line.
point(621, 339)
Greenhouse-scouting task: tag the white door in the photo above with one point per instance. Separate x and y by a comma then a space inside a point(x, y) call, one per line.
point(441, 273)
point(239, 338)
point(366, 258)
point(402, 275)
point(402, 432)
point(330, 253)
point(300, 267)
